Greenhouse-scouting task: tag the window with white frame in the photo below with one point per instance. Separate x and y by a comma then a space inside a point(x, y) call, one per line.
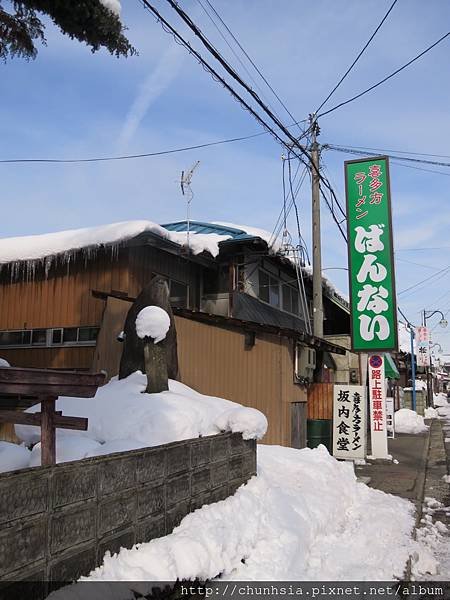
point(51, 336)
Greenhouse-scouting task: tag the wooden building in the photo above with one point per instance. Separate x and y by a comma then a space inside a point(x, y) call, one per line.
point(243, 326)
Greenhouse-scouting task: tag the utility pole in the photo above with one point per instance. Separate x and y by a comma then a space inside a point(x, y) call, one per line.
point(317, 253)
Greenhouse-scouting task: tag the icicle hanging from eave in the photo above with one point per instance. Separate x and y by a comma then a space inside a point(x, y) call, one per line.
point(26, 270)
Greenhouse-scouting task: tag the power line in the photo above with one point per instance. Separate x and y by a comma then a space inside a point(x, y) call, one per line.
point(130, 156)
point(410, 262)
point(378, 150)
point(216, 54)
point(423, 248)
point(386, 78)
point(217, 77)
point(351, 150)
point(442, 272)
point(251, 61)
point(358, 57)
point(205, 10)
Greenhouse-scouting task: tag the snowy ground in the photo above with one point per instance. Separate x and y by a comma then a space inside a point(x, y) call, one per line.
point(121, 417)
point(305, 517)
point(433, 535)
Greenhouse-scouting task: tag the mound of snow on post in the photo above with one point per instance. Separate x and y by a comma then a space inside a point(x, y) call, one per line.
point(4, 363)
point(408, 421)
point(292, 522)
point(13, 457)
point(120, 411)
point(154, 322)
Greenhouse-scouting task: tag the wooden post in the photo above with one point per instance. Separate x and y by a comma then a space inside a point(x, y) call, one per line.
point(155, 367)
point(48, 437)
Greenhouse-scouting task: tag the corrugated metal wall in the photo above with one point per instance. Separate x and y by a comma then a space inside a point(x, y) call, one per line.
point(64, 298)
point(214, 361)
point(50, 358)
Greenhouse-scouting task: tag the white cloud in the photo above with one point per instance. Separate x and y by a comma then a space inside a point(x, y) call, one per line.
point(157, 82)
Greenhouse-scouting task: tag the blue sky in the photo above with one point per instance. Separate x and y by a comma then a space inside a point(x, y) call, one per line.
point(72, 103)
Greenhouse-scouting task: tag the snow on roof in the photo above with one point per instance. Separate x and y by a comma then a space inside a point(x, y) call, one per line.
point(39, 247)
point(203, 237)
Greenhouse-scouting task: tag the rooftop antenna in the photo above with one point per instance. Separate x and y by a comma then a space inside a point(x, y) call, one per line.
point(186, 190)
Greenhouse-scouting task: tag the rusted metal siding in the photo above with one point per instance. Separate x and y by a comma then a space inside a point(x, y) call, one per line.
point(214, 361)
point(64, 298)
point(76, 357)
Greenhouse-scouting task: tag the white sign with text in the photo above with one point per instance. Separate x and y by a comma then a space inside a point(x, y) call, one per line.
point(349, 421)
point(377, 396)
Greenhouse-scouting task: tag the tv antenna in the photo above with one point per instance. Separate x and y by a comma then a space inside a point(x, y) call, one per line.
point(186, 190)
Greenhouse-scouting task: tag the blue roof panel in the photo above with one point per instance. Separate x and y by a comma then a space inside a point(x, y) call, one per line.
point(200, 227)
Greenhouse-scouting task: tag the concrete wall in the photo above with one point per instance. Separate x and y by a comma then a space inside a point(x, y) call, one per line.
point(56, 523)
point(344, 363)
point(421, 401)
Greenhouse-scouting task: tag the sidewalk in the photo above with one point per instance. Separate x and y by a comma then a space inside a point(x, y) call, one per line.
point(405, 479)
point(419, 476)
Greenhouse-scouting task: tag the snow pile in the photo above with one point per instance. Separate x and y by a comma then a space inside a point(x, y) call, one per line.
point(292, 522)
point(408, 421)
point(154, 322)
point(120, 411)
point(13, 457)
point(440, 399)
point(113, 5)
point(74, 447)
point(420, 386)
point(4, 363)
point(432, 543)
point(431, 413)
point(199, 242)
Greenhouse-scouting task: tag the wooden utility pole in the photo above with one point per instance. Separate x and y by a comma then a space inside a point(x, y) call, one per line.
point(317, 253)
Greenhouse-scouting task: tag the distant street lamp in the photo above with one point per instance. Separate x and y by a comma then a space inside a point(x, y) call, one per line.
point(443, 323)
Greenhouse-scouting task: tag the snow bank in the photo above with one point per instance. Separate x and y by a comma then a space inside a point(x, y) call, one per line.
point(13, 457)
point(440, 399)
point(431, 413)
point(120, 411)
point(4, 363)
point(73, 447)
point(292, 522)
point(420, 385)
point(154, 322)
point(408, 421)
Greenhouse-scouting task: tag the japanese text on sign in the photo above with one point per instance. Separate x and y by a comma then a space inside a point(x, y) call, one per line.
point(371, 272)
point(422, 346)
point(349, 418)
point(377, 395)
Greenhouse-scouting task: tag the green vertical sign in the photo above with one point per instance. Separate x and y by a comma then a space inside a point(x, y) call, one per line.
point(371, 256)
